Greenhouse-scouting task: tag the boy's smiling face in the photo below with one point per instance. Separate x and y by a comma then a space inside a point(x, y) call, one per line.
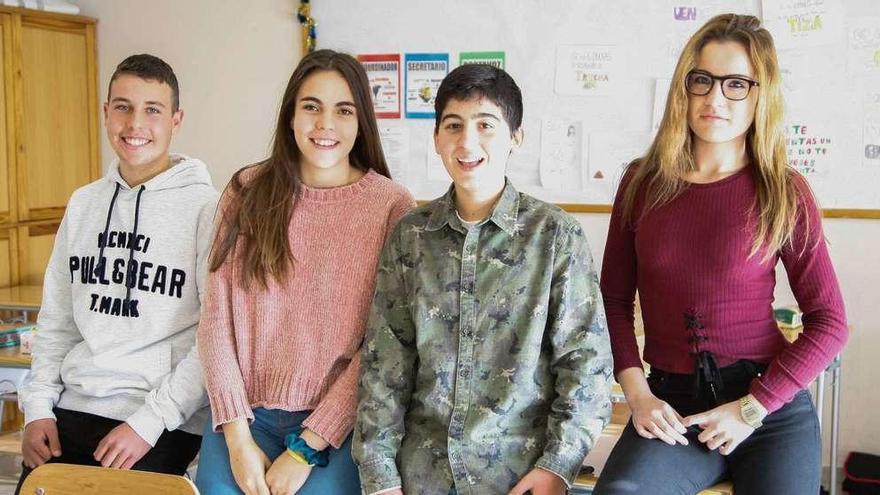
point(474, 142)
point(140, 122)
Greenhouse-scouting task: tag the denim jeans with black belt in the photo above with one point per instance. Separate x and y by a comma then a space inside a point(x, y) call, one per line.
point(780, 457)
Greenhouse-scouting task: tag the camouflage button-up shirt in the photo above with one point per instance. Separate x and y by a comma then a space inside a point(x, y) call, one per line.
point(486, 351)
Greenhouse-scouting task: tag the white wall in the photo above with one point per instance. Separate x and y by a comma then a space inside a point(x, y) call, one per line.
point(233, 60)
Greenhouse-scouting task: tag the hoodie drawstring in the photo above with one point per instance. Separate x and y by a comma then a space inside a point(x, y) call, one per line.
point(129, 272)
point(99, 266)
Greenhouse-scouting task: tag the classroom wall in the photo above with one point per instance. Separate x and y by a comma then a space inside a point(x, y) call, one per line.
point(233, 60)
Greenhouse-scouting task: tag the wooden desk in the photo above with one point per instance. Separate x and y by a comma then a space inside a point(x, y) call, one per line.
point(23, 298)
point(11, 357)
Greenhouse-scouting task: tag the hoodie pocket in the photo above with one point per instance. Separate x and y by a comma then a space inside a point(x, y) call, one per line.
point(118, 372)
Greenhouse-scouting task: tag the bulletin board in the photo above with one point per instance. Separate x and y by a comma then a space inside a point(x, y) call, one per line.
point(594, 76)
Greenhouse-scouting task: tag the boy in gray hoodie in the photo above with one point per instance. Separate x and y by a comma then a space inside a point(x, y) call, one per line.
point(115, 379)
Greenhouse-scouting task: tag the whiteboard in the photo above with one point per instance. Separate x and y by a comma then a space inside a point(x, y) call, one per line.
point(832, 85)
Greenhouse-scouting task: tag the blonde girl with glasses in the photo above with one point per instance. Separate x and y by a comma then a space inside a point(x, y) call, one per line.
point(697, 228)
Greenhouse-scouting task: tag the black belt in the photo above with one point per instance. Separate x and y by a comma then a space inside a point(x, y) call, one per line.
point(708, 380)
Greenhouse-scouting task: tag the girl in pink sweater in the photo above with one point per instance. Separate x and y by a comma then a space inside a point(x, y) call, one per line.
point(291, 281)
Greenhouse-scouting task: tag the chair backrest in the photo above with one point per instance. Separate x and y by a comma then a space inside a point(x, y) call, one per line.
point(64, 479)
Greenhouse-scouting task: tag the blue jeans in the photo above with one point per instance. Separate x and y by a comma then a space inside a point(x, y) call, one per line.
point(782, 456)
point(270, 426)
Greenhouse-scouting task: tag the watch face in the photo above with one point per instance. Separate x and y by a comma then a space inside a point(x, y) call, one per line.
point(749, 413)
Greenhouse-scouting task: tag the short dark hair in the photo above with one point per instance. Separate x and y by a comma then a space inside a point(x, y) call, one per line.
point(471, 81)
point(150, 68)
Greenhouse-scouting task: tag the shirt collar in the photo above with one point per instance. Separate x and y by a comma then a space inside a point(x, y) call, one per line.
point(503, 214)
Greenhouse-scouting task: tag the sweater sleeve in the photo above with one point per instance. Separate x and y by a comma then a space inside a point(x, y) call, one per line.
point(182, 391)
point(334, 416)
point(815, 287)
point(399, 208)
point(57, 334)
point(216, 344)
point(619, 278)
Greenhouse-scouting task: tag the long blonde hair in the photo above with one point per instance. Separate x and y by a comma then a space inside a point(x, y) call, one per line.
point(662, 170)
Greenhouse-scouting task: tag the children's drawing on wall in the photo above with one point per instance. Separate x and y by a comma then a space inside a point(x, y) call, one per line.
point(383, 71)
point(562, 151)
point(799, 23)
point(864, 46)
point(586, 70)
point(424, 71)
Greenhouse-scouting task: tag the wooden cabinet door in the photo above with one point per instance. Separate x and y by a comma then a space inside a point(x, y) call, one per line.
point(7, 150)
point(57, 121)
point(35, 243)
point(8, 257)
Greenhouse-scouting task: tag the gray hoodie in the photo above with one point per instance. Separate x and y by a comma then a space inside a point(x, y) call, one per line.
point(123, 347)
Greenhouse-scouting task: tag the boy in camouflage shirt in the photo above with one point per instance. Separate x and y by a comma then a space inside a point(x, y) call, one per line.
point(486, 362)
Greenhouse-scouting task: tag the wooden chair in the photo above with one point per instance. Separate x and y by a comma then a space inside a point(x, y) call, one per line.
point(69, 479)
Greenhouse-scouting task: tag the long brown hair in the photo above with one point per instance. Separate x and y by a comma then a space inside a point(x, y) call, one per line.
point(256, 212)
point(662, 170)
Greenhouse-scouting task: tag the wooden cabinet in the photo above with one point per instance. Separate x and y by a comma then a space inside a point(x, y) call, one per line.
point(8, 256)
point(49, 138)
point(7, 114)
point(57, 145)
point(35, 243)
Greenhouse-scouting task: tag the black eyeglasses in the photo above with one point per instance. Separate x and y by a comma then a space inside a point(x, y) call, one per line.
point(700, 83)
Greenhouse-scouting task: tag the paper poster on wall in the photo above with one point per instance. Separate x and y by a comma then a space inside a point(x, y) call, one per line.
point(871, 130)
point(395, 145)
point(435, 170)
point(523, 165)
point(681, 20)
point(495, 59)
point(864, 46)
point(424, 72)
point(383, 72)
point(661, 92)
point(586, 70)
point(611, 152)
point(809, 146)
point(562, 151)
point(800, 23)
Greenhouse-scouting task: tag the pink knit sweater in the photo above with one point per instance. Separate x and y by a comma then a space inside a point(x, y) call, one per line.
point(296, 345)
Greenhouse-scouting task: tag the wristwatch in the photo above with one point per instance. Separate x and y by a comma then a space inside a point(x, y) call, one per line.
point(751, 411)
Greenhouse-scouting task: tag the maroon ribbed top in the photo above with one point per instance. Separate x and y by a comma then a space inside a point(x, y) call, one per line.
point(689, 261)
